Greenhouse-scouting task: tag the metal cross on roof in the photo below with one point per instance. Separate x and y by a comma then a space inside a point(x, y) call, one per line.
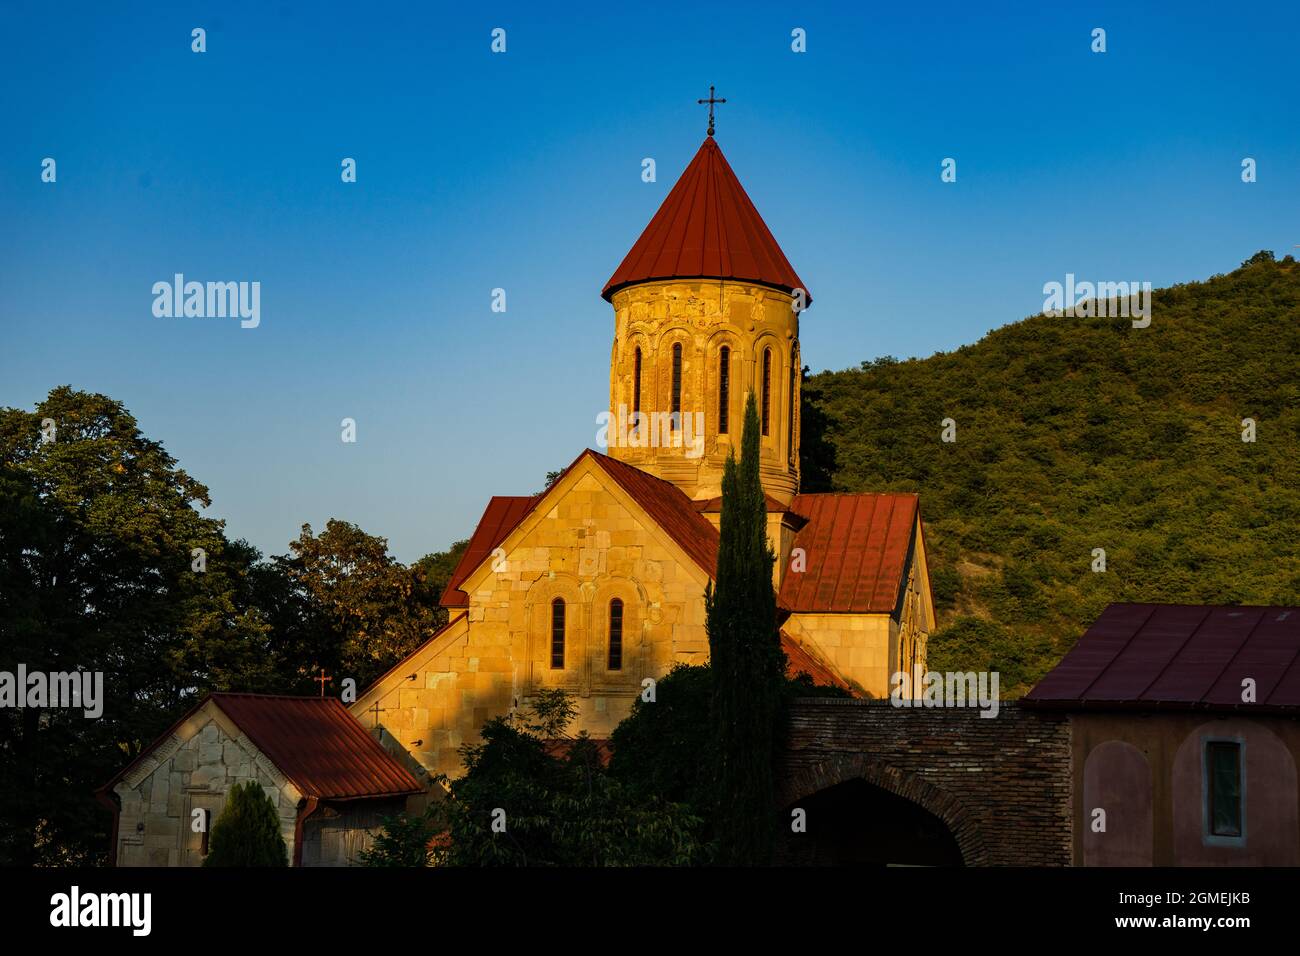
point(711, 100)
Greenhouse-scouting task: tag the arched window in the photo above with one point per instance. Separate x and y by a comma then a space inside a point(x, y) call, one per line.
point(789, 422)
point(557, 634)
point(724, 388)
point(767, 390)
point(636, 392)
point(677, 385)
point(616, 635)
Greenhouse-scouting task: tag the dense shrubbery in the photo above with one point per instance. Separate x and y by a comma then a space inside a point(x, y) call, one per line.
point(248, 831)
point(525, 802)
point(1075, 434)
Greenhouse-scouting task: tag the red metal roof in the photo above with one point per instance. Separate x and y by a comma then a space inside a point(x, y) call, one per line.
point(801, 661)
point(707, 228)
point(313, 741)
point(856, 548)
point(1181, 656)
point(499, 519)
point(318, 745)
point(714, 505)
point(559, 747)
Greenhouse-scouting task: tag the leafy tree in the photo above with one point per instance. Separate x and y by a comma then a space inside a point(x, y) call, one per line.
point(523, 801)
point(106, 565)
point(437, 569)
point(657, 747)
point(404, 840)
point(248, 831)
point(745, 660)
point(1077, 434)
point(344, 603)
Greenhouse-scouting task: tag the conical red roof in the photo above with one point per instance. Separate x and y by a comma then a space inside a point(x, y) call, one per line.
point(707, 228)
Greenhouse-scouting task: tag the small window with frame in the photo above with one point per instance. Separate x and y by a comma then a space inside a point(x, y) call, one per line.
point(1224, 817)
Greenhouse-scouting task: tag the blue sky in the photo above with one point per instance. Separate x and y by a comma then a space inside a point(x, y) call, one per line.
point(522, 171)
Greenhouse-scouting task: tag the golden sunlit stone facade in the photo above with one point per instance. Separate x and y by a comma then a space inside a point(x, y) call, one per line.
point(587, 544)
point(745, 334)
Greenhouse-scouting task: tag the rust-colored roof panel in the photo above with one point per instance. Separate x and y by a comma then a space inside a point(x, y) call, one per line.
point(313, 741)
point(503, 512)
point(714, 505)
point(799, 660)
point(318, 745)
point(707, 227)
point(1180, 656)
point(856, 548)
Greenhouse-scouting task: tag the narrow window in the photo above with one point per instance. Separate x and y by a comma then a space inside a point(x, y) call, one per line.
point(557, 634)
point(767, 390)
point(677, 386)
point(616, 635)
point(724, 387)
point(789, 424)
point(207, 828)
point(636, 393)
point(1223, 780)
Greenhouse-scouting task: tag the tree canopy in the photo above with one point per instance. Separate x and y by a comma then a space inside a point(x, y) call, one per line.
point(1077, 434)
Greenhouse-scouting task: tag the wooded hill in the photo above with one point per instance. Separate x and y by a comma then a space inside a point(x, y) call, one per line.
point(1081, 433)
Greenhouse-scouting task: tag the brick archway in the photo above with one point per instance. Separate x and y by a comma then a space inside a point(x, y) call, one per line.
point(942, 804)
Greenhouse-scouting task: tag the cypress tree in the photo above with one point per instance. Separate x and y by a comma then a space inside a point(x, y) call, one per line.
point(248, 831)
point(746, 662)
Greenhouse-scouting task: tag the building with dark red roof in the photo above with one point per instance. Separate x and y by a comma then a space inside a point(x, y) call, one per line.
point(330, 781)
point(1184, 735)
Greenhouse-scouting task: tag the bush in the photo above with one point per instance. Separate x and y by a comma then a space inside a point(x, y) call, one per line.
point(403, 841)
point(248, 831)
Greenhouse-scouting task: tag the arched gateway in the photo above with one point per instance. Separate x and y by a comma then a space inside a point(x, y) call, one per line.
point(925, 786)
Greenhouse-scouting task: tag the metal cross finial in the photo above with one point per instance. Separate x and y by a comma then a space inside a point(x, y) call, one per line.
point(323, 680)
point(711, 100)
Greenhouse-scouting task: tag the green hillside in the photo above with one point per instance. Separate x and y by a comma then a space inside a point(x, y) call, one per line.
point(1075, 434)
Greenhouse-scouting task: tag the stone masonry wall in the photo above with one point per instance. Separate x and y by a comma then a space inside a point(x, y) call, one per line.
point(195, 769)
point(1002, 785)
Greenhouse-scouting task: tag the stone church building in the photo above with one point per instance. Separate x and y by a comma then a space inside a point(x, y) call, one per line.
point(1169, 735)
point(595, 585)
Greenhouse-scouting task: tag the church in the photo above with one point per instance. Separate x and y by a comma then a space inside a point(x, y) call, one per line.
point(595, 585)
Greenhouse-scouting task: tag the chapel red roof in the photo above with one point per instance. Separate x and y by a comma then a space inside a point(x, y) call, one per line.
point(503, 512)
point(856, 548)
point(320, 747)
point(1182, 657)
point(707, 228)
